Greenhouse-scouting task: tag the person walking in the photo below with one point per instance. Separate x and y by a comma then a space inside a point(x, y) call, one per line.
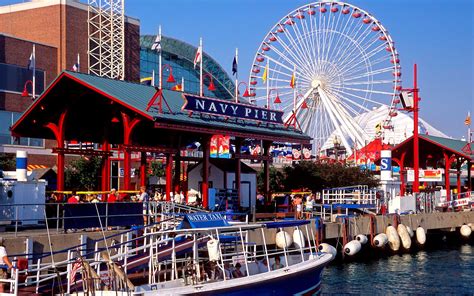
point(5, 264)
point(144, 198)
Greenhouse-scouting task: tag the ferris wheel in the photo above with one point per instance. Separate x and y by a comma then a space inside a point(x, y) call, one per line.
point(324, 64)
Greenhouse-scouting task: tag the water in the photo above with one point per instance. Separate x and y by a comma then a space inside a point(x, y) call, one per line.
point(445, 271)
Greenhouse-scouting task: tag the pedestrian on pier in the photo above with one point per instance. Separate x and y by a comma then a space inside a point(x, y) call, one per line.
point(5, 264)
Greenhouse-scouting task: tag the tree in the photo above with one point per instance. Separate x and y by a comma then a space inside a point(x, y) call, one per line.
point(83, 173)
point(276, 180)
point(7, 162)
point(156, 169)
point(317, 176)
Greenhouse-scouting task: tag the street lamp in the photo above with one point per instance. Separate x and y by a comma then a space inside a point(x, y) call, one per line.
point(337, 144)
point(211, 84)
point(170, 77)
point(246, 92)
point(25, 92)
point(277, 98)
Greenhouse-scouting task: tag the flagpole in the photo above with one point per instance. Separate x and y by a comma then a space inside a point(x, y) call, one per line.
point(469, 127)
point(267, 81)
point(236, 75)
point(200, 67)
point(34, 71)
point(159, 63)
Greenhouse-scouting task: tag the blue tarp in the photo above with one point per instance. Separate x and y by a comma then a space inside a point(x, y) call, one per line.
point(118, 214)
point(286, 223)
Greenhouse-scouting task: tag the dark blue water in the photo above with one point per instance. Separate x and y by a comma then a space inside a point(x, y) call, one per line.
point(445, 271)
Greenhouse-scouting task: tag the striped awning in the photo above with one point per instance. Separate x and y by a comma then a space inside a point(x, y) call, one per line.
point(31, 167)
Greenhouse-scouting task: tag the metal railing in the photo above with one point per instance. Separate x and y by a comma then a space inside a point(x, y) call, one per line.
point(15, 215)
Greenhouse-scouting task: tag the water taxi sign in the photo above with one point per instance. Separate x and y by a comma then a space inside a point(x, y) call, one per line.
point(230, 109)
point(203, 220)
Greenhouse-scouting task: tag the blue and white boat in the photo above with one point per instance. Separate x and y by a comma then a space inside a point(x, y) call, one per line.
point(299, 273)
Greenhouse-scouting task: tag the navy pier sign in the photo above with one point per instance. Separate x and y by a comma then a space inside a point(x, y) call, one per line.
point(230, 109)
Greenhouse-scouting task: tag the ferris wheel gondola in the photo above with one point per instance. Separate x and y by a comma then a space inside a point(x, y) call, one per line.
point(324, 64)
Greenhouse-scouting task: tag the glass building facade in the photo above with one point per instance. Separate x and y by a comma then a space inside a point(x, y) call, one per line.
point(180, 56)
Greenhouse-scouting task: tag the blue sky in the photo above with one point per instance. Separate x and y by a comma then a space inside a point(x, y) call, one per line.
point(437, 35)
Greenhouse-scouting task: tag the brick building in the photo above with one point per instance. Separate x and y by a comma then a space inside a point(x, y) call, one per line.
point(59, 30)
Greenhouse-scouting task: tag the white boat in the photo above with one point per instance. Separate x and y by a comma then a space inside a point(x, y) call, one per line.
point(197, 258)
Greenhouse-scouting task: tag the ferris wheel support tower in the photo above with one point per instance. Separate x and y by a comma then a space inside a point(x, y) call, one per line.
point(106, 42)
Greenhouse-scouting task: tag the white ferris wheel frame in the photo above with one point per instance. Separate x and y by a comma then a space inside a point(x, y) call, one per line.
point(340, 103)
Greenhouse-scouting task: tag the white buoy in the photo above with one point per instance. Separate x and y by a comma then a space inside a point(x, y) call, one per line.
point(466, 230)
point(298, 238)
point(213, 249)
point(393, 238)
point(282, 237)
point(410, 231)
point(404, 236)
point(327, 248)
point(352, 247)
point(362, 239)
point(420, 235)
point(380, 240)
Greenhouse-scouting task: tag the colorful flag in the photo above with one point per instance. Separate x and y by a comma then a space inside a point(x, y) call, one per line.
point(32, 62)
point(293, 81)
point(177, 87)
point(198, 56)
point(265, 74)
point(146, 80)
point(157, 44)
point(75, 267)
point(467, 121)
point(234, 66)
point(76, 66)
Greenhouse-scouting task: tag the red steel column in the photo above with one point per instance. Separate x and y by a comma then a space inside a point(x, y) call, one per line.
point(169, 176)
point(143, 169)
point(469, 181)
point(58, 131)
point(458, 175)
point(266, 171)
point(447, 165)
point(177, 173)
point(205, 174)
point(128, 126)
point(416, 161)
point(238, 168)
point(105, 167)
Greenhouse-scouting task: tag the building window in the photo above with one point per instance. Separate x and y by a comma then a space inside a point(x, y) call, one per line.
point(7, 119)
point(14, 78)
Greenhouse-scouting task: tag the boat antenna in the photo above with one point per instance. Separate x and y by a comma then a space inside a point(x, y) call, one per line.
point(53, 264)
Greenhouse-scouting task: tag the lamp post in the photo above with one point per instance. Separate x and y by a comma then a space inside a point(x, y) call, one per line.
point(277, 98)
point(170, 77)
point(246, 92)
point(415, 109)
point(337, 144)
point(211, 86)
point(25, 92)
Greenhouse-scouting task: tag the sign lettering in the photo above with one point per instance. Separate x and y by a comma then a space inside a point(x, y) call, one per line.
point(230, 109)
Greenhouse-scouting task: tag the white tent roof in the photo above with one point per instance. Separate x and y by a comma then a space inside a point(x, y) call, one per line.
point(402, 127)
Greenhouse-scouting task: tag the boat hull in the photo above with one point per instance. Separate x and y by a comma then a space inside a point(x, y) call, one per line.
point(299, 279)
